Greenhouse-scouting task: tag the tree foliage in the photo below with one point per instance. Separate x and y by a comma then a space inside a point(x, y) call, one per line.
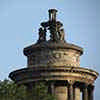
point(11, 91)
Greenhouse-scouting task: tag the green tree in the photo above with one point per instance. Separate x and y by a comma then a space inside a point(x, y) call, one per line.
point(11, 91)
point(40, 92)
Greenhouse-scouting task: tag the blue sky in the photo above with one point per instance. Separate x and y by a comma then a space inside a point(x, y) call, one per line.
point(19, 23)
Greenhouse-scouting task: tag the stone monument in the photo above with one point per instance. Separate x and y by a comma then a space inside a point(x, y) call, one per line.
point(57, 63)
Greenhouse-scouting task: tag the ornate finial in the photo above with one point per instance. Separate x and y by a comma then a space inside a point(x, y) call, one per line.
point(52, 14)
point(54, 26)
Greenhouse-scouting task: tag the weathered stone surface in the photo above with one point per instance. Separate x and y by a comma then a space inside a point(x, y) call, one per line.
point(53, 54)
point(54, 58)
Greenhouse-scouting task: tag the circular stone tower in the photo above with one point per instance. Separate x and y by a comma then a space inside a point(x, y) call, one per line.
point(57, 63)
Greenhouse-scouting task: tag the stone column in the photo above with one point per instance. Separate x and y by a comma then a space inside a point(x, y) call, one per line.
point(90, 92)
point(70, 91)
point(29, 90)
point(76, 93)
point(85, 92)
point(51, 87)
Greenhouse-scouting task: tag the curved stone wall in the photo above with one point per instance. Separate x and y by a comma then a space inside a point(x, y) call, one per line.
point(57, 57)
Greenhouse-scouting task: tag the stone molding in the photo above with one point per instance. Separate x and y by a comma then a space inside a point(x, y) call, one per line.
point(62, 73)
point(52, 46)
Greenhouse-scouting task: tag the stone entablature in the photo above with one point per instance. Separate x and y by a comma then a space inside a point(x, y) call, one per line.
point(76, 74)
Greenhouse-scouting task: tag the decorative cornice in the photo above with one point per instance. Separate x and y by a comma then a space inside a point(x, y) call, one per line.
point(51, 45)
point(51, 73)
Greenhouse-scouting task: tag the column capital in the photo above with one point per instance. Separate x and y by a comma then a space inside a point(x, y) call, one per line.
point(91, 86)
point(85, 85)
point(71, 82)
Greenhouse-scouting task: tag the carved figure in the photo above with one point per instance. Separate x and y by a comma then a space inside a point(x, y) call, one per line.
point(58, 25)
point(53, 32)
point(57, 33)
point(42, 35)
point(61, 34)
